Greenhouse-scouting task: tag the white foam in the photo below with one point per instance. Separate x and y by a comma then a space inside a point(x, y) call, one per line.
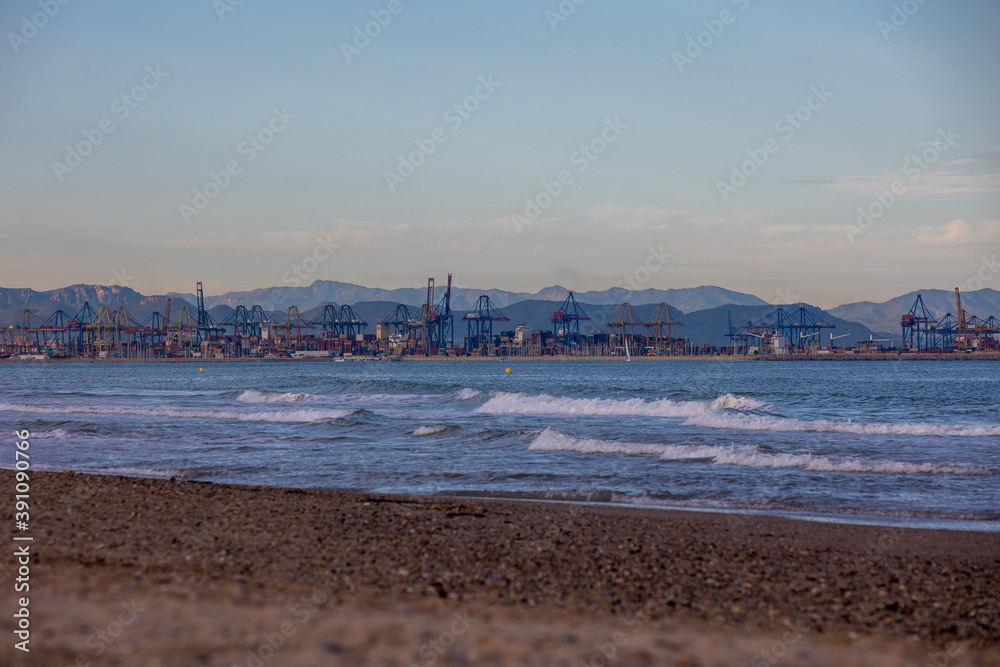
point(554, 441)
point(429, 430)
point(255, 396)
point(736, 402)
point(269, 416)
point(125, 471)
point(747, 456)
point(57, 434)
point(466, 393)
point(744, 422)
point(543, 404)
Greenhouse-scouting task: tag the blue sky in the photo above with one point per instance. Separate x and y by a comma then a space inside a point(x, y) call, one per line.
point(329, 127)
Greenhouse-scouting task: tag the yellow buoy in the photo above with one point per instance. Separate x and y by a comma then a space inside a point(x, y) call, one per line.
point(201, 370)
point(509, 371)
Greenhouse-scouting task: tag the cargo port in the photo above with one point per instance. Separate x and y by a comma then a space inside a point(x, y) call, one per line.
point(435, 330)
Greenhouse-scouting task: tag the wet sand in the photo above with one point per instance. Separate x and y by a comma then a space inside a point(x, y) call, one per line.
point(132, 571)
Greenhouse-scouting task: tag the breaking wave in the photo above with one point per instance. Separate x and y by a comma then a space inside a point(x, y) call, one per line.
point(255, 396)
point(466, 393)
point(57, 434)
point(430, 430)
point(744, 422)
point(182, 413)
point(748, 456)
point(543, 404)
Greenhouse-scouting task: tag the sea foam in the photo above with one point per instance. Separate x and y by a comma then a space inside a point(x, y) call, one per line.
point(185, 413)
point(429, 430)
point(543, 404)
point(747, 456)
point(256, 396)
point(745, 422)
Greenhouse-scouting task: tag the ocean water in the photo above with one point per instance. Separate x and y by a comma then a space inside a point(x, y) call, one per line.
point(914, 443)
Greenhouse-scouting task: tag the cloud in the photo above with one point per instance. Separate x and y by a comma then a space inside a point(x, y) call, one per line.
point(960, 232)
point(989, 160)
point(780, 230)
point(927, 183)
point(634, 217)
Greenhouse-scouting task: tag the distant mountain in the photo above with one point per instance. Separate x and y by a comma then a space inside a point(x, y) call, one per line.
point(710, 327)
point(704, 310)
point(537, 314)
point(703, 327)
point(885, 316)
point(686, 298)
point(321, 291)
point(71, 299)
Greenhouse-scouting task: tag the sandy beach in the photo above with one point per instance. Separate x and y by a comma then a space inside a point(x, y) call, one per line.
point(136, 571)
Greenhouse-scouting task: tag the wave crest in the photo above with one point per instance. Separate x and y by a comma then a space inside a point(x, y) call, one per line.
point(429, 430)
point(744, 422)
point(185, 413)
point(747, 456)
point(543, 404)
point(257, 396)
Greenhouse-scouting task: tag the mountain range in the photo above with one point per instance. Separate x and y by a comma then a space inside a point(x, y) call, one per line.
point(330, 291)
point(885, 316)
point(704, 310)
point(703, 327)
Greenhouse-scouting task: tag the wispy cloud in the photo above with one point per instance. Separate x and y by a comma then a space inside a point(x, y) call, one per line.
point(928, 183)
point(635, 217)
point(771, 231)
point(267, 240)
point(961, 232)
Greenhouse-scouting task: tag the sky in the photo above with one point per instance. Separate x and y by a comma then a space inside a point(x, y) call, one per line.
point(827, 152)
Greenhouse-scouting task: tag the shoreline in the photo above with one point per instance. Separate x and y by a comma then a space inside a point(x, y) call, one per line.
point(550, 581)
point(974, 526)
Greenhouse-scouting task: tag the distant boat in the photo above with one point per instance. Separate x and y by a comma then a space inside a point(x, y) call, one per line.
point(628, 355)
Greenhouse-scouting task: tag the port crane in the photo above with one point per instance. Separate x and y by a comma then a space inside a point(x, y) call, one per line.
point(833, 338)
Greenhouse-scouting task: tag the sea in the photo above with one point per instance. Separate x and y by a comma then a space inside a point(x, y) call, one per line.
point(883, 442)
